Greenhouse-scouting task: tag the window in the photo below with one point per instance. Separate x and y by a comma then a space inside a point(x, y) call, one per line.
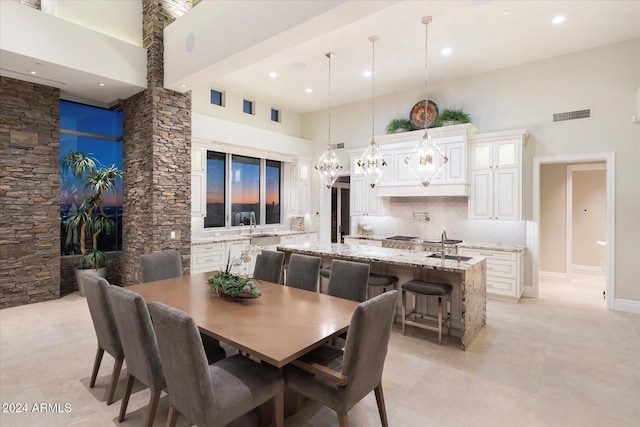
point(251, 184)
point(216, 172)
point(217, 97)
point(247, 106)
point(275, 115)
point(98, 133)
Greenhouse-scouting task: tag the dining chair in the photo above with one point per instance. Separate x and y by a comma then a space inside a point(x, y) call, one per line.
point(348, 280)
point(340, 378)
point(303, 272)
point(209, 395)
point(269, 266)
point(168, 265)
point(160, 265)
point(99, 302)
point(140, 348)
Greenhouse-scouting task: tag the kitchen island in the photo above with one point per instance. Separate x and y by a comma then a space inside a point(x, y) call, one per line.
point(467, 277)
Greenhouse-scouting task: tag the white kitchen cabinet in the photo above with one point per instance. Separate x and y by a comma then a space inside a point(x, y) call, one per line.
point(208, 257)
point(505, 273)
point(362, 242)
point(298, 238)
point(198, 182)
point(364, 200)
point(496, 175)
point(300, 186)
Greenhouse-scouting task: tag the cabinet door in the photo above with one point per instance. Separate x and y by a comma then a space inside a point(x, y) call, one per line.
point(506, 154)
point(294, 193)
point(506, 193)
point(358, 194)
point(482, 155)
point(481, 198)
point(198, 202)
point(304, 196)
point(456, 168)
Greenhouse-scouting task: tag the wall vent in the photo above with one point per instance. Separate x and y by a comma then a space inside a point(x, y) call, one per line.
point(572, 115)
point(336, 146)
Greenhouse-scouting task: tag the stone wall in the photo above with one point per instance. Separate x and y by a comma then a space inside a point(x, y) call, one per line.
point(157, 155)
point(29, 192)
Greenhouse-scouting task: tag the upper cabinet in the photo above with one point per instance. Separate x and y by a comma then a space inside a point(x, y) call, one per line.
point(300, 186)
point(198, 180)
point(496, 175)
point(365, 200)
point(451, 180)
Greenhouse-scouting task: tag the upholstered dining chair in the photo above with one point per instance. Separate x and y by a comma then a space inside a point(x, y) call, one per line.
point(168, 265)
point(348, 280)
point(99, 302)
point(160, 265)
point(209, 395)
point(340, 379)
point(303, 272)
point(269, 266)
point(140, 348)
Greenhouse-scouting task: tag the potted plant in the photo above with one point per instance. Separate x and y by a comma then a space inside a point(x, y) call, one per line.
point(450, 117)
point(228, 284)
point(399, 125)
point(90, 217)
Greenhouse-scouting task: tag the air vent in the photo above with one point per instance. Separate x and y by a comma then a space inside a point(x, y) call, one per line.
point(336, 146)
point(572, 115)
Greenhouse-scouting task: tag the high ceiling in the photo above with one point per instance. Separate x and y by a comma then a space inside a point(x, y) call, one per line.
point(483, 35)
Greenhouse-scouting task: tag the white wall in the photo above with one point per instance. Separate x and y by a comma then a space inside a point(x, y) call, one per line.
point(604, 80)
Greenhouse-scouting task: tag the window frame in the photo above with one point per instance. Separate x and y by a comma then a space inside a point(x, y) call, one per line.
point(222, 97)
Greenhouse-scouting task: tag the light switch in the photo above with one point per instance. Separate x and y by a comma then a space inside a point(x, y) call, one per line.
point(173, 234)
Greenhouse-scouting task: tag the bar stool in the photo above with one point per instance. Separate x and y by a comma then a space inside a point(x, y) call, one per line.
point(375, 280)
point(426, 289)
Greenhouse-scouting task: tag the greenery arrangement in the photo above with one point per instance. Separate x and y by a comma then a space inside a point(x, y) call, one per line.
point(448, 117)
point(399, 125)
point(233, 285)
point(90, 217)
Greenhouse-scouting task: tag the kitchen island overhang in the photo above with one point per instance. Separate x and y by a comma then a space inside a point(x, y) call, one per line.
point(468, 278)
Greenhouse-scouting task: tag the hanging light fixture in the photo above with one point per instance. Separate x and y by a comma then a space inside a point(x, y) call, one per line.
point(427, 158)
point(328, 165)
point(372, 163)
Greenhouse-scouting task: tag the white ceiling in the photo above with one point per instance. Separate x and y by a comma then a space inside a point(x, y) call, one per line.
point(481, 37)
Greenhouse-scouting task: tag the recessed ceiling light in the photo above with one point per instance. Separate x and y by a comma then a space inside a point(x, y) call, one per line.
point(367, 73)
point(505, 12)
point(101, 84)
point(273, 74)
point(558, 19)
point(308, 90)
point(446, 51)
point(32, 72)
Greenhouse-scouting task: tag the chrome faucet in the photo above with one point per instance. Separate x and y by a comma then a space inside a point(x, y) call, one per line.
point(443, 237)
point(252, 222)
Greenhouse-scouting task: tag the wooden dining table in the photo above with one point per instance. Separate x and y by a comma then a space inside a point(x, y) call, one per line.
point(278, 327)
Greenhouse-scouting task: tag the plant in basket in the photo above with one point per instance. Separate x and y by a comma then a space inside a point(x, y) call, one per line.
point(225, 283)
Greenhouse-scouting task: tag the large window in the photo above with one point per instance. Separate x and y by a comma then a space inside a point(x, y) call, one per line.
point(252, 185)
point(97, 133)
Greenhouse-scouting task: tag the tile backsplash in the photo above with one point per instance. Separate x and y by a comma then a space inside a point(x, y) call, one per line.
point(407, 217)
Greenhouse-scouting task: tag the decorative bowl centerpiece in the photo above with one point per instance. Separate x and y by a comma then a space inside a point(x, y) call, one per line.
point(230, 285)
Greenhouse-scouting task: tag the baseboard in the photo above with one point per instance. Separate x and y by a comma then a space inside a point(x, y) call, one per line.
point(553, 276)
point(587, 269)
point(627, 305)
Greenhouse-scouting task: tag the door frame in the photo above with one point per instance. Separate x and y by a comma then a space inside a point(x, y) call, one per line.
point(609, 159)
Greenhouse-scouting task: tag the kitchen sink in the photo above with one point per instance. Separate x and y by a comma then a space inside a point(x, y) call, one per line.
point(452, 257)
point(264, 239)
point(261, 235)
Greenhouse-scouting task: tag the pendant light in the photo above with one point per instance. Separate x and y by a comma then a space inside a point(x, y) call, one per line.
point(372, 163)
point(427, 158)
point(329, 165)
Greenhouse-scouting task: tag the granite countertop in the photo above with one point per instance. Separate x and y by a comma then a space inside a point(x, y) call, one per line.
point(401, 257)
point(235, 237)
point(464, 244)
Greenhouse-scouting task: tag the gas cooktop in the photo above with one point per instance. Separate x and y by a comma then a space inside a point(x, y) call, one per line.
point(403, 238)
point(410, 238)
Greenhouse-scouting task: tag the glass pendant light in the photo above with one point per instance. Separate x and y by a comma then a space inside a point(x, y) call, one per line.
point(372, 163)
point(427, 158)
point(329, 165)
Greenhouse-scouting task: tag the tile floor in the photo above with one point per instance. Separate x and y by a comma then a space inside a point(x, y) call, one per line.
point(561, 360)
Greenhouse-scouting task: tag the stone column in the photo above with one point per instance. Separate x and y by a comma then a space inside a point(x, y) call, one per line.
point(157, 154)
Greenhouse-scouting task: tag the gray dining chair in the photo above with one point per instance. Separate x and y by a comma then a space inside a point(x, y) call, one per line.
point(99, 302)
point(303, 272)
point(160, 265)
point(348, 280)
point(140, 348)
point(210, 395)
point(269, 266)
point(339, 378)
point(168, 265)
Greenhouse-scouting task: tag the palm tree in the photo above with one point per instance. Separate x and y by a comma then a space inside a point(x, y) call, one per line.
point(91, 217)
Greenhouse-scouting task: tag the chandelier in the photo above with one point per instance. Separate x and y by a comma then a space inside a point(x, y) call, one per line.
point(372, 163)
point(329, 165)
point(426, 159)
